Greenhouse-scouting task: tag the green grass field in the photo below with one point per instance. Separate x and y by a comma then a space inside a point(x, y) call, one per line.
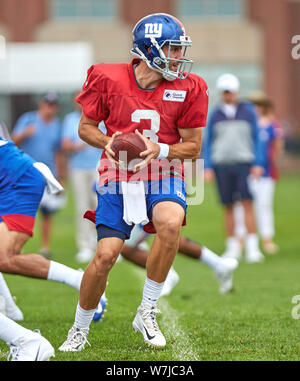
point(252, 323)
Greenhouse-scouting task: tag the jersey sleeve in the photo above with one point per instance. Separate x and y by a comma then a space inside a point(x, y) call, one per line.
point(94, 95)
point(195, 111)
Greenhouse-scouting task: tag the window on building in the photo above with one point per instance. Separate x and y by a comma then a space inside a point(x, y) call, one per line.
point(87, 9)
point(211, 9)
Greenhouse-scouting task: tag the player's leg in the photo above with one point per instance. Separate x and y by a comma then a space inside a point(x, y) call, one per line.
point(25, 345)
point(263, 192)
point(133, 250)
point(240, 230)
point(225, 181)
point(32, 265)
point(92, 287)
point(136, 250)
point(167, 217)
point(242, 172)
point(7, 304)
point(135, 255)
point(109, 212)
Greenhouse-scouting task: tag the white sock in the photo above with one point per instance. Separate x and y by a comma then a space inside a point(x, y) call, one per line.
point(64, 274)
point(10, 331)
point(83, 318)
point(233, 245)
point(151, 291)
point(210, 258)
point(5, 293)
point(251, 243)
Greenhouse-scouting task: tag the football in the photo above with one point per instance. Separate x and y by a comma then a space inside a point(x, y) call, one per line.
point(129, 142)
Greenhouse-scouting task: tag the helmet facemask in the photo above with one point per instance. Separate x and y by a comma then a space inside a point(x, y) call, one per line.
point(162, 63)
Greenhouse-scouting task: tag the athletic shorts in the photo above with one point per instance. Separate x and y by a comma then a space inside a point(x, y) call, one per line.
point(232, 182)
point(19, 201)
point(109, 212)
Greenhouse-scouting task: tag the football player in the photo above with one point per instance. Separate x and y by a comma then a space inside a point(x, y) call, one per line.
point(22, 184)
point(157, 97)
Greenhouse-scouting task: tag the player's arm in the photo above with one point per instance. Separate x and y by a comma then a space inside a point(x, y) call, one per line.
point(190, 147)
point(88, 131)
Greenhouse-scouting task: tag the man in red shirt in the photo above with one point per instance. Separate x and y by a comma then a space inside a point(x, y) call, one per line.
point(156, 96)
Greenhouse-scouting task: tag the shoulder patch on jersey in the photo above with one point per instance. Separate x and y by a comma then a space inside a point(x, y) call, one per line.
point(174, 95)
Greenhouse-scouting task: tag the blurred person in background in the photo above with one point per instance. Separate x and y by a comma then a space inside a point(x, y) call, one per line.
point(232, 153)
point(82, 164)
point(271, 138)
point(38, 133)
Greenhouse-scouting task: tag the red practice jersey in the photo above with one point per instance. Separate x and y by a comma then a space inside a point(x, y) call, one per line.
point(112, 94)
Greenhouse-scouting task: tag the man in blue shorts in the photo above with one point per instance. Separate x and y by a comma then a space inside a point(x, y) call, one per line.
point(232, 153)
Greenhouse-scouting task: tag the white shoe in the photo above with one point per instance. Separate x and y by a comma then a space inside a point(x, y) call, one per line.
point(84, 256)
point(254, 257)
point(32, 347)
point(77, 337)
point(145, 322)
point(170, 282)
point(225, 274)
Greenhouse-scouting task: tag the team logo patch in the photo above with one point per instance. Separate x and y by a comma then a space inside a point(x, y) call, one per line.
point(153, 30)
point(174, 95)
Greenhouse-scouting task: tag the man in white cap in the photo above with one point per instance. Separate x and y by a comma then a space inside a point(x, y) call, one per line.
point(232, 153)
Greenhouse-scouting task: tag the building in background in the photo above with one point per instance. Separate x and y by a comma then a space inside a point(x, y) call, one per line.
point(251, 38)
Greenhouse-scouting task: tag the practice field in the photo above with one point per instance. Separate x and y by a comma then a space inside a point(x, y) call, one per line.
point(252, 323)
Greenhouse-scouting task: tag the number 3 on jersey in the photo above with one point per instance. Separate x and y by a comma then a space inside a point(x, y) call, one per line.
point(154, 116)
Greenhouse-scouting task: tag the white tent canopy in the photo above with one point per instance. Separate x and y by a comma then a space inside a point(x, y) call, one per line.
point(38, 67)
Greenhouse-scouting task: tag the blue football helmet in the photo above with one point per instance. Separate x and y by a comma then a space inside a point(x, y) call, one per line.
point(151, 33)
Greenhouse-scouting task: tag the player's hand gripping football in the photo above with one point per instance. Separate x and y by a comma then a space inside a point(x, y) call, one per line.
point(151, 152)
point(110, 153)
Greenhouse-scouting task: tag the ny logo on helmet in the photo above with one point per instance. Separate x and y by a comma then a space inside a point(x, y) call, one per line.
point(153, 30)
